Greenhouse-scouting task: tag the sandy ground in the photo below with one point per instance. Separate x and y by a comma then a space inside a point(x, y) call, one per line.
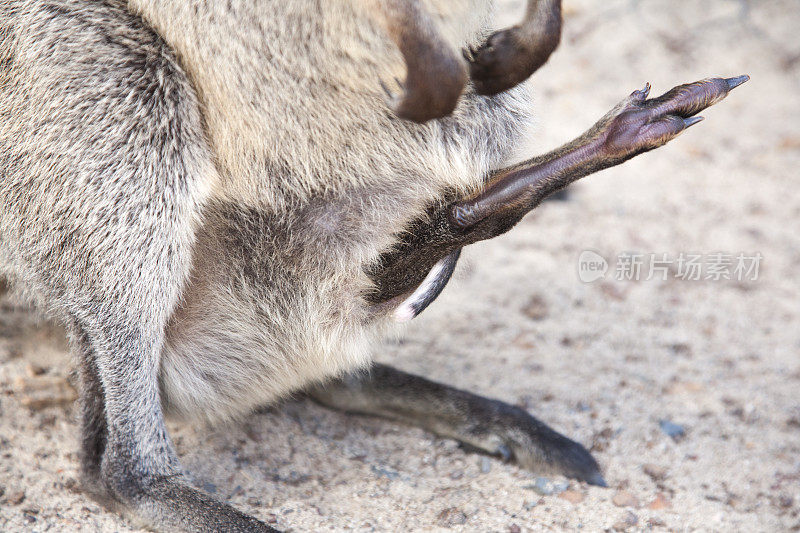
point(603, 362)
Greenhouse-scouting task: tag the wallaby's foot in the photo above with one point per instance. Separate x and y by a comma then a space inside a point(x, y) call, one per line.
point(491, 426)
point(634, 126)
point(515, 436)
point(505, 60)
point(164, 502)
point(510, 56)
point(638, 124)
point(161, 502)
point(171, 504)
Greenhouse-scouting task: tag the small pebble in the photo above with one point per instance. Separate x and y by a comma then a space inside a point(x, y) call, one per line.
point(601, 439)
point(572, 496)
point(680, 348)
point(785, 501)
point(71, 484)
point(452, 516)
point(656, 472)
point(536, 308)
point(541, 485)
point(485, 465)
point(514, 528)
point(34, 370)
point(623, 498)
point(660, 502)
point(560, 486)
point(385, 472)
point(671, 429)
point(15, 497)
point(628, 521)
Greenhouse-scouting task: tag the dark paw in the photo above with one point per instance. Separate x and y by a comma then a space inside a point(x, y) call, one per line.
point(638, 124)
point(572, 459)
point(548, 450)
point(169, 503)
point(510, 56)
point(500, 63)
point(520, 438)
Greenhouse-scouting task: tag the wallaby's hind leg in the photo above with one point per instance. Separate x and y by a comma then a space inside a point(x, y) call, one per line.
point(510, 56)
point(435, 74)
point(491, 426)
point(635, 125)
point(93, 414)
point(139, 468)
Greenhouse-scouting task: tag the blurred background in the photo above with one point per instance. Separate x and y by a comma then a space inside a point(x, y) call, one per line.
point(687, 391)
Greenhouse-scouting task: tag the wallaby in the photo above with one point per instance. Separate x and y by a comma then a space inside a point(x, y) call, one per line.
point(218, 202)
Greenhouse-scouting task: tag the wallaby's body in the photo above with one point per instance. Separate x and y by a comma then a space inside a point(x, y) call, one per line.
point(204, 192)
point(292, 181)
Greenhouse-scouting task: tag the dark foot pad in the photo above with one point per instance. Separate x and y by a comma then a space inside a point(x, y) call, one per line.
point(510, 56)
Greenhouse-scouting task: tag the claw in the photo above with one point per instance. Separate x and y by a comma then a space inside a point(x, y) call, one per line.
point(470, 53)
point(643, 93)
point(597, 480)
point(736, 81)
point(691, 121)
point(691, 98)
